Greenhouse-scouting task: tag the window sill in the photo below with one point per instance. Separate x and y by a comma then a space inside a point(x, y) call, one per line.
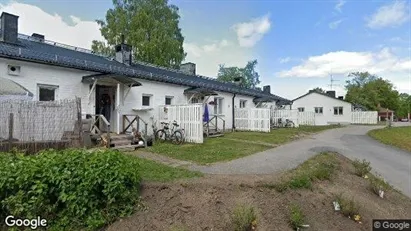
point(148, 108)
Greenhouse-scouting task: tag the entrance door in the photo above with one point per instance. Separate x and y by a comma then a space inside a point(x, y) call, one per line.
point(105, 101)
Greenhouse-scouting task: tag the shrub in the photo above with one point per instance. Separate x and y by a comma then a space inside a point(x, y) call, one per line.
point(300, 181)
point(348, 207)
point(377, 183)
point(70, 188)
point(361, 167)
point(296, 217)
point(244, 218)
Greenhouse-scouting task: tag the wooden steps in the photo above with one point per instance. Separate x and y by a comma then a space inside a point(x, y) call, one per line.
point(213, 133)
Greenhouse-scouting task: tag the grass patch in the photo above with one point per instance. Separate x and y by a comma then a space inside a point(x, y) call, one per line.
point(362, 168)
point(244, 218)
point(320, 167)
point(279, 136)
point(212, 150)
point(395, 136)
point(349, 207)
point(297, 218)
point(377, 183)
point(152, 171)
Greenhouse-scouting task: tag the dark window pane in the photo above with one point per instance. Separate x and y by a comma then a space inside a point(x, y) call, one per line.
point(46, 94)
point(146, 100)
point(335, 111)
point(168, 101)
point(340, 111)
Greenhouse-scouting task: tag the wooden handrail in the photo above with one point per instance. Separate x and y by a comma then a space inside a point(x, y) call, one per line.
point(214, 123)
point(127, 123)
point(95, 128)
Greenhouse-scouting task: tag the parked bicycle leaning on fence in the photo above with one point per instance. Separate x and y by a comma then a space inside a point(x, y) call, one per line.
point(174, 134)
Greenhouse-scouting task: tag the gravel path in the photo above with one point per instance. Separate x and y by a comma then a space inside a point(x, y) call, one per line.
point(393, 164)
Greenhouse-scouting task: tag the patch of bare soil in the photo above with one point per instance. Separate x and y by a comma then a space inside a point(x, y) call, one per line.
point(207, 203)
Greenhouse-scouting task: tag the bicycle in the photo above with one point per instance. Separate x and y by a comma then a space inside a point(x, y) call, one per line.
point(174, 134)
point(287, 124)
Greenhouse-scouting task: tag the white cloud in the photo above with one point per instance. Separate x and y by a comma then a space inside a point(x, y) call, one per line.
point(339, 5)
point(335, 24)
point(391, 15)
point(384, 63)
point(285, 60)
point(32, 19)
point(249, 33)
point(209, 56)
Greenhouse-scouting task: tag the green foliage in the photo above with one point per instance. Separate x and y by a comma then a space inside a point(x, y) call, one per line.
point(377, 183)
point(249, 77)
point(370, 91)
point(319, 90)
point(297, 218)
point(151, 27)
point(70, 188)
point(361, 167)
point(349, 207)
point(404, 106)
point(244, 218)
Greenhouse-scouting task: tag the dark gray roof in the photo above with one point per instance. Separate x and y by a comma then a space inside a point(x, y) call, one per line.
point(41, 52)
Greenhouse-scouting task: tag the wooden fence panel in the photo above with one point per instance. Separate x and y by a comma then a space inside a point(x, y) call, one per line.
point(189, 117)
point(364, 117)
point(252, 119)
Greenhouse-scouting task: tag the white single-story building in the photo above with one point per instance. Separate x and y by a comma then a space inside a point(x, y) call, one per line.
point(53, 71)
point(327, 108)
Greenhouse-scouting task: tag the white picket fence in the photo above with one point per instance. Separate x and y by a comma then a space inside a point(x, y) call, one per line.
point(189, 117)
point(306, 118)
point(284, 114)
point(364, 117)
point(252, 119)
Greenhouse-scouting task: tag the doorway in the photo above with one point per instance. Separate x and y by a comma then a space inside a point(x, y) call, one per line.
point(105, 101)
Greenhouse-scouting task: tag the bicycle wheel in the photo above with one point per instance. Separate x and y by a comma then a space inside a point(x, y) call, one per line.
point(290, 124)
point(160, 135)
point(177, 137)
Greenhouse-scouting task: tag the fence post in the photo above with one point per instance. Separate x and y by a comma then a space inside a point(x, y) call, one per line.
point(11, 128)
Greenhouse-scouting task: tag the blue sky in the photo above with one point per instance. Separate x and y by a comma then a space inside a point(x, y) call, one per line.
point(298, 44)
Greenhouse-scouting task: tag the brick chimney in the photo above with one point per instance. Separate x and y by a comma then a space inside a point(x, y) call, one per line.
point(188, 68)
point(123, 52)
point(267, 89)
point(331, 93)
point(9, 28)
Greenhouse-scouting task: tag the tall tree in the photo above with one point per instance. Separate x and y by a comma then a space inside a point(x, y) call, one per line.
point(151, 27)
point(404, 105)
point(370, 91)
point(249, 77)
point(319, 90)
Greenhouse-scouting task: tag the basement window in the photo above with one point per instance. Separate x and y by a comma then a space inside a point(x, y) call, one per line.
point(338, 110)
point(47, 92)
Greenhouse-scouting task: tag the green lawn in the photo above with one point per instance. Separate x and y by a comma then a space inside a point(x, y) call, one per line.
point(398, 136)
point(212, 150)
point(279, 136)
point(225, 148)
point(153, 171)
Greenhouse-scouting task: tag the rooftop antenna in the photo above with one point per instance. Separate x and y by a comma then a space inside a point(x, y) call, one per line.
point(332, 80)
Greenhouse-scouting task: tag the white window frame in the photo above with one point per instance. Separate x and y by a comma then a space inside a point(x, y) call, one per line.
point(168, 97)
point(218, 106)
point(301, 109)
point(243, 103)
point(48, 87)
point(319, 110)
point(150, 101)
point(338, 111)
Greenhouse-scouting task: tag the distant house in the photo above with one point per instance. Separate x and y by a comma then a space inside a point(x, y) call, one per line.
point(53, 71)
point(384, 113)
point(327, 108)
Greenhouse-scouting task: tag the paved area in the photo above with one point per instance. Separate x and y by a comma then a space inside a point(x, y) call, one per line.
point(393, 164)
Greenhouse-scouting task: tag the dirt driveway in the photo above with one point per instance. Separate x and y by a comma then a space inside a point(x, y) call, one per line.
point(393, 164)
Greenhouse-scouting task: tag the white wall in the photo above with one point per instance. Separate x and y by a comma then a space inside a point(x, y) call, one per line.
point(70, 86)
point(313, 100)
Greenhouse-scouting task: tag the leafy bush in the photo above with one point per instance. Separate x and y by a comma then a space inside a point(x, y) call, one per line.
point(377, 183)
point(296, 217)
point(244, 218)
point(361, 167)
point(70, 188)
point(300, 181)
point(349, 207)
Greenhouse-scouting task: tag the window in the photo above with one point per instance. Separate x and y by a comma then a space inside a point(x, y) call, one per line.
point(243, 103)
point(218, 106)
point(338, 110)
point(169, 99)
point(300, 109)
point(318, 110)
point(194, 100)
point(47, 92)
point(146, 100)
